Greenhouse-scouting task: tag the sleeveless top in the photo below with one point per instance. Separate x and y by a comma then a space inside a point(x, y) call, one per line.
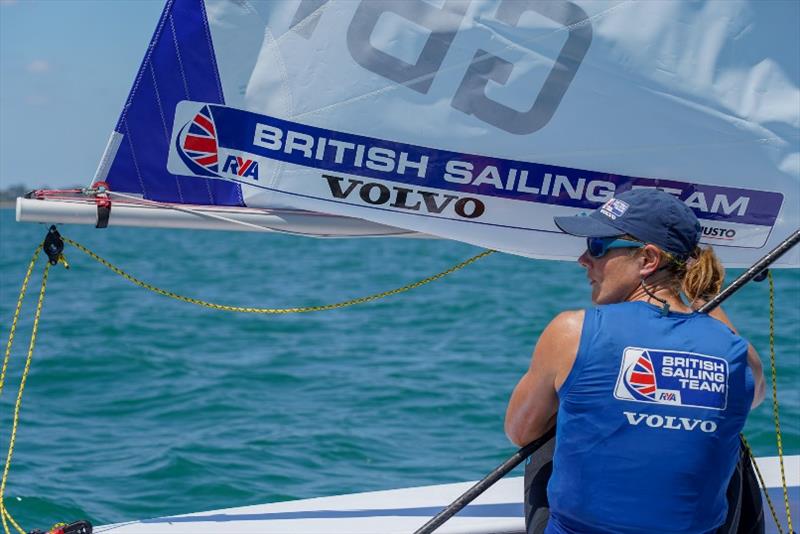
point(648, 423)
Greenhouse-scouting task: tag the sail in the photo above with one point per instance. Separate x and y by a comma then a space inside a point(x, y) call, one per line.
point(180, 64)
point(475, 121)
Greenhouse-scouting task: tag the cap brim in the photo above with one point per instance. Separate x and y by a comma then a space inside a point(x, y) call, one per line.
point(586, 226)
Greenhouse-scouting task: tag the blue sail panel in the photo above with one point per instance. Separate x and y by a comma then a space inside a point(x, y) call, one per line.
point(180, 64)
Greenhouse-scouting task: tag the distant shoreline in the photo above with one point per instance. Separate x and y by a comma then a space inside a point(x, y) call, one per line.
point(7, 204)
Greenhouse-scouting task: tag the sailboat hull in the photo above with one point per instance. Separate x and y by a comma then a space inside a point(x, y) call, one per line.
point(498, 511)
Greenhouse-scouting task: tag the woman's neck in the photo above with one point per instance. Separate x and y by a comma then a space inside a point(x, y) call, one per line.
point(657, 291)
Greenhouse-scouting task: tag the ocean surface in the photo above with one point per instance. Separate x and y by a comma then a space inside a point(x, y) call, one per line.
point(139, 406)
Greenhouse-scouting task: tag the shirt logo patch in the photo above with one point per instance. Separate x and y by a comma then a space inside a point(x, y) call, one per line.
point(673, 378)
point(614, 208)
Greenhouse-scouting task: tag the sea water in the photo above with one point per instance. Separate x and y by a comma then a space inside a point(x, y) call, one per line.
point(139, 406)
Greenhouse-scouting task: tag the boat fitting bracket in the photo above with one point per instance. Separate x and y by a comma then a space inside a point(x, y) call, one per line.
point(53, 245)
point(103, 201)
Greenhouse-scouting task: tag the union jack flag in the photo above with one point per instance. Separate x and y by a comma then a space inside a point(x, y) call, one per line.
point(199, 142)
point(641, 378)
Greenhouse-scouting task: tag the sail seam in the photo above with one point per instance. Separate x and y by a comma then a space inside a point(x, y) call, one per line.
point(164, 123)
point(305, 26)
point(145, 64)
point(133, 157)
point(178, 57)
point(213, 54)
point(185, 86)
point(288, 100)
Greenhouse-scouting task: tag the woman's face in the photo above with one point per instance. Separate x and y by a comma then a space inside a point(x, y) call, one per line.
point(613, 276)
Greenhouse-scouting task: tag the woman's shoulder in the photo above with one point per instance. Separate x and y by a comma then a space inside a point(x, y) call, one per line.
point(564, 329)
point(568, 320)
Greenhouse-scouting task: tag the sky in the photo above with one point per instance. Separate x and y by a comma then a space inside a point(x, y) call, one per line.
point(66, 67)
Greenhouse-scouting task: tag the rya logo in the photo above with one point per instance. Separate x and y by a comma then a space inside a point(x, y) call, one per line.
point(197, 144)
point(245, 168)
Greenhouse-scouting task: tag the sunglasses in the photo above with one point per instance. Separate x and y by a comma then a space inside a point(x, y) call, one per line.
point(597, 247)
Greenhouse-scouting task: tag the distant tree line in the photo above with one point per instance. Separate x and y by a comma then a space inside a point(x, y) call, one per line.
point(11, 192)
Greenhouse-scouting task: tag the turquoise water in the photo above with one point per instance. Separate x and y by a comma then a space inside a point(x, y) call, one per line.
point(139, 406)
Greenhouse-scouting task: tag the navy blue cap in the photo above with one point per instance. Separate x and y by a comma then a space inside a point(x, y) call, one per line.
point(648, 214)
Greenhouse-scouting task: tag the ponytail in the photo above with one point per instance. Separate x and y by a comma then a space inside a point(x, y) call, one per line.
point(703, 275)
point(700, 277)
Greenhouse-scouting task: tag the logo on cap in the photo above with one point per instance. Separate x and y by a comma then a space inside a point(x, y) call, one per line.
point(614, 208)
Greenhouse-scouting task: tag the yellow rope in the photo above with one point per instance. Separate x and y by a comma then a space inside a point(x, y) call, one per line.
point(21, 298)
point(5, 513)
point(775, 415)
point(763, 484)
point(776, 418)
point(23, 290)
point(304, 309)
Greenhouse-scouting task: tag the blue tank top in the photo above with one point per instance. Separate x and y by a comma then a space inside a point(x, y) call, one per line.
point(648, 423)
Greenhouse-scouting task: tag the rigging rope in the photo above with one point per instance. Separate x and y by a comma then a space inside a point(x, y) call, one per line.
point(5, 515)
point(775, 416)
point(761, 482)
point(16, 315)
point(303, 309)
point(776, 419)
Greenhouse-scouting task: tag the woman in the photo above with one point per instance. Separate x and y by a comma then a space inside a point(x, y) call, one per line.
point(650, 395)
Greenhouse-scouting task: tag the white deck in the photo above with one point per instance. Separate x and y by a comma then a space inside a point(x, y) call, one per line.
point(497, 511)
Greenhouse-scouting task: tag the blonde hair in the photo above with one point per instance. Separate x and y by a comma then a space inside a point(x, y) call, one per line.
point(700, 277)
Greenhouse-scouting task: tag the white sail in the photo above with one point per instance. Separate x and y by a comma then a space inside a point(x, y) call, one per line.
point(480, 121)
point(475, 121)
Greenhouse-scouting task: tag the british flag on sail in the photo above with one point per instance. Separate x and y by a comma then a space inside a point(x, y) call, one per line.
point(640, 378)
point(197, 144)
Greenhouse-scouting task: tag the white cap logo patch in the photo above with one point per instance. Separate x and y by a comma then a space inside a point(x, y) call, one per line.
point(614, 208)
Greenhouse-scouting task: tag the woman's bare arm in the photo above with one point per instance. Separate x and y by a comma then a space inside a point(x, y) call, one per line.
point(533, 405)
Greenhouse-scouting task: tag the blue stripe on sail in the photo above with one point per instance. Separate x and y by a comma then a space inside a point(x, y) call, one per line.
point(180, 64)
point(473, 510)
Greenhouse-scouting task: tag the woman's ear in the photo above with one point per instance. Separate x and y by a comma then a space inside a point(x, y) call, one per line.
point(650, 257)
